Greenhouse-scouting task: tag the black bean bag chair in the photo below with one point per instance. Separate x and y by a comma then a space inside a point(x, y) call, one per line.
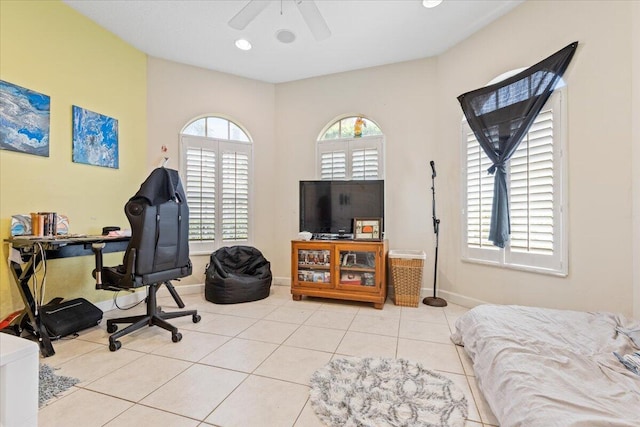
point(237, 274)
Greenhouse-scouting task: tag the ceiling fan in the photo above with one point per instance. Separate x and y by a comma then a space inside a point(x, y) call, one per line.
point(307, 8)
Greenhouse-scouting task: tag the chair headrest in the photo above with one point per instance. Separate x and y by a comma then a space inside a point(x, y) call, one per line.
point(161, 186)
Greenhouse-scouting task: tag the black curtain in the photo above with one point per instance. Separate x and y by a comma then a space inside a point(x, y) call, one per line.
point(501, 114)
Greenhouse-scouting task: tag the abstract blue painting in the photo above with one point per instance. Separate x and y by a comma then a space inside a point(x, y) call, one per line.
point(95, 138)
point(24, 120)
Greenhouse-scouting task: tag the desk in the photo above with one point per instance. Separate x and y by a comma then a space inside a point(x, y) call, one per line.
point(53, 247)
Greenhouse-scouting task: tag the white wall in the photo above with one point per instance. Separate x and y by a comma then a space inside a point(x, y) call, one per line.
point(400, 98)
point(415, 105)
point(179, 93)
point(599, 151)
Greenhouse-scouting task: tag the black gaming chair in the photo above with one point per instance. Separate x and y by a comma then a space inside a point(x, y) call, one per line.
point(157, 253)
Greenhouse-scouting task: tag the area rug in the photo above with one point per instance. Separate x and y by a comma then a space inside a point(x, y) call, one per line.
point(377, 392)
point(51, 384)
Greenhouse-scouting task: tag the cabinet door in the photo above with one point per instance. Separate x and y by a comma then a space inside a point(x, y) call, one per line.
point(357, 267)
point(312, 264)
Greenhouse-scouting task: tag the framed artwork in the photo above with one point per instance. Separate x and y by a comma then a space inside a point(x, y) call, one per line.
point(25, 117)
point(95, 138)
point(367, 228)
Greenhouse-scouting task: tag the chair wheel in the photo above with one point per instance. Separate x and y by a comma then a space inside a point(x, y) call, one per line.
point(196, 318)
point(176, 337)
point(114, 345)
point(112, 328)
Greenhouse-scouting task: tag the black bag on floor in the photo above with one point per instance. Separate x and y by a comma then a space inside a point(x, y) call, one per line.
point(237, 274)
point(69, 317)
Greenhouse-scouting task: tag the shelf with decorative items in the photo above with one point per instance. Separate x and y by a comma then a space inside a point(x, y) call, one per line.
point(313, 265)
point(345, 269)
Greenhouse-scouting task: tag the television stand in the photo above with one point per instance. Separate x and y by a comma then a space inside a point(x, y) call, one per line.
point(341, 269)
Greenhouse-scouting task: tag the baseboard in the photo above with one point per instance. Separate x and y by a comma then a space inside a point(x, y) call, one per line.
point(197, 288)
point(126, 299)
point(451, 297)
point(281, 281)
point(458, 299)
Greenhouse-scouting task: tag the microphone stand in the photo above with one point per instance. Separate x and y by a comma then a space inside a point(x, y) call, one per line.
point(434, 301)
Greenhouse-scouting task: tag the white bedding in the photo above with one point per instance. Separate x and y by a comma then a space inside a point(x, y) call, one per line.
point(543, 367)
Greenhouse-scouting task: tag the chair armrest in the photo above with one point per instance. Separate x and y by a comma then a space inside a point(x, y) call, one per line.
point(130, 268)
point(123, 278)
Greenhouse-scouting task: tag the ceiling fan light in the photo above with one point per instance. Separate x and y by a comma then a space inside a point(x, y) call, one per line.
point(243, 44)
point(431, 3)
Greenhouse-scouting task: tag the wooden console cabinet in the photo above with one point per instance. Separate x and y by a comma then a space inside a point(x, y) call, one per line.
point(342, 269)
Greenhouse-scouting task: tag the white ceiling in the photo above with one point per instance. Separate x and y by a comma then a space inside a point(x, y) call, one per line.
point(365, 33)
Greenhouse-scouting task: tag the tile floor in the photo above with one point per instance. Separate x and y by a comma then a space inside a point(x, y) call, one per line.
point(245, 364)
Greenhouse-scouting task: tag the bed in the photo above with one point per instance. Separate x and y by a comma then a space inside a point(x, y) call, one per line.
point(544, 367)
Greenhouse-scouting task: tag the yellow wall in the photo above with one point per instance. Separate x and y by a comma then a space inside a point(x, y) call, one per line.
point(48, 47)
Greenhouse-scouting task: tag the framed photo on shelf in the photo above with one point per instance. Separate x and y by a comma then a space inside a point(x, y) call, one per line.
point(367, 228)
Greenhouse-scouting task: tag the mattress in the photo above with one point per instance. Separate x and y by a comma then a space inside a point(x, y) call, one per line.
point(545, 367)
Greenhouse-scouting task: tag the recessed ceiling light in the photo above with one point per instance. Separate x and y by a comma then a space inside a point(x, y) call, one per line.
point(243, 44)
point(431, 3)
point(285, 36)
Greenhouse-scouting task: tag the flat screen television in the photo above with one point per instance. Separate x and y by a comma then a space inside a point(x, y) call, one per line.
point(327, 208)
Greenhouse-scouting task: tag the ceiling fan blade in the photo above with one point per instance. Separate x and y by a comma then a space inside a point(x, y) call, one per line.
point(314, 19)
point(248, 14)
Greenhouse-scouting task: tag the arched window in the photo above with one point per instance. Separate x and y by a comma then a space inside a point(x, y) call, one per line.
point(351, 148)
point(537, 197)
point(216, 163)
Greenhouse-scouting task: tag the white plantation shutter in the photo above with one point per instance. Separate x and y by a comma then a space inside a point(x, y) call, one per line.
point(333, 165)
point(364, 163)
point(531, 189)
point(200, 187)
point(356, 158)
point(536, 199)
point(217, 179)
point(235, 195)
point(479, 193)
